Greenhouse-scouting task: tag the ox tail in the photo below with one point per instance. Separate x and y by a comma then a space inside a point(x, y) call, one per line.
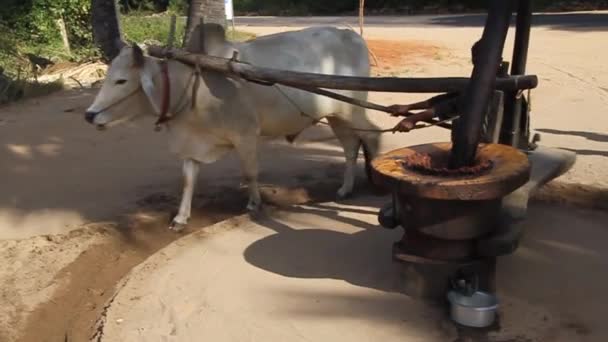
point(350, 27)
point(368, 156)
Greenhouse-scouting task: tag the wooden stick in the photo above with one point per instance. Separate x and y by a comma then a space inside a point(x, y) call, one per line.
point(305, 79)
point(361, 9)
point(64, 35)
point(171, 39)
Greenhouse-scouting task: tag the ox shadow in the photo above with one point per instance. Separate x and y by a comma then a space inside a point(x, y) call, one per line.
point(361, 257)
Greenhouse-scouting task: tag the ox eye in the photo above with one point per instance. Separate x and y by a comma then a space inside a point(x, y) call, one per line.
point(121, 82)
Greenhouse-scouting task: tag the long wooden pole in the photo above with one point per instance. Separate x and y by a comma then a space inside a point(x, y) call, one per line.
point(305, 79)
point(477, 96)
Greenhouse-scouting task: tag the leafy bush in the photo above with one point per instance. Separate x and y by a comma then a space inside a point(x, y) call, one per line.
point(36, 20)
point(179, 7)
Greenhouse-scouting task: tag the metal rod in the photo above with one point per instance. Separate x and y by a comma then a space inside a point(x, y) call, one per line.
point(305, 79)
point(483, 79)
point(522, 37)
point(511, 131)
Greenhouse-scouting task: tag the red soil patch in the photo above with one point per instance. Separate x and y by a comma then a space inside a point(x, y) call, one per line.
point(391, 54)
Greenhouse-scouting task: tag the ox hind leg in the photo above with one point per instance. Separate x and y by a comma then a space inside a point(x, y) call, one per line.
point(190, 170)
point(352, 139)
point(350, 144)
point(370, 142)
point(368, 134)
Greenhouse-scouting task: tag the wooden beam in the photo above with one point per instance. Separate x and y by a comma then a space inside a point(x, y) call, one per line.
point(305, 79)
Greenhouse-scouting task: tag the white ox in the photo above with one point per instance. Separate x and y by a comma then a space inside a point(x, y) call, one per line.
point(233, 114)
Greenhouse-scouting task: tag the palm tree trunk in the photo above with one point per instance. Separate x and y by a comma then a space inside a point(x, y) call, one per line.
point(212, 11)
point(106, 27)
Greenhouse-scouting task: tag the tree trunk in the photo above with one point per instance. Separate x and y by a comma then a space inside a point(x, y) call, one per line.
point(106, 27)
point(212, 11)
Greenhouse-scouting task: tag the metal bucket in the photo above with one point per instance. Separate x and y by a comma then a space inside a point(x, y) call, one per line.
point(477, 310)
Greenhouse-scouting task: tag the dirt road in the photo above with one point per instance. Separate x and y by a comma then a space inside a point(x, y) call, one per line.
point(573, 21)
point(79, 208)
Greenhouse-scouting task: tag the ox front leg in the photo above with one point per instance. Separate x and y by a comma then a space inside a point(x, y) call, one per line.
point(190, 170)
point(247, 152)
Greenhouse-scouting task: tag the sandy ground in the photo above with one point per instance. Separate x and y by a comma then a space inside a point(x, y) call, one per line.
point(333, 282)
point(80, 208)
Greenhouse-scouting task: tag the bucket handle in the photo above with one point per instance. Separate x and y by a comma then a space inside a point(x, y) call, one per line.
point(465, 284)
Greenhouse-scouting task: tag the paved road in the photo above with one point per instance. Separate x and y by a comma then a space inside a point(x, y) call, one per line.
point(579, 21)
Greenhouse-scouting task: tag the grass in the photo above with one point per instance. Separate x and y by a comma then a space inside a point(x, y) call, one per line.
point(147, 28)
point(16, 72)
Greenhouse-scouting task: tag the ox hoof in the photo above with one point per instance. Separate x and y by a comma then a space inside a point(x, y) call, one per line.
point(344, 194)
point(254, 207)
point(177, 227)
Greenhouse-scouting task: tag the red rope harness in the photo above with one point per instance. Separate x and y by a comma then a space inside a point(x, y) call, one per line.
point(166, 95)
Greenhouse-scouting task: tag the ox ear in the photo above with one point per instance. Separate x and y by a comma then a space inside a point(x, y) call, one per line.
point(138, 56)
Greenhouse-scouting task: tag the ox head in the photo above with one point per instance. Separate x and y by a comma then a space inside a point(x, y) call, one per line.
point(121, 98)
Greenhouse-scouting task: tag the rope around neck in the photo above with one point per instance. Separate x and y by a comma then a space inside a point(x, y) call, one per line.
point(163, 120)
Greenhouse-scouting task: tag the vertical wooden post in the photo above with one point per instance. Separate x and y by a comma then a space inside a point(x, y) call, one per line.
point(64, 35)
point(483, 79)
point(361, 10)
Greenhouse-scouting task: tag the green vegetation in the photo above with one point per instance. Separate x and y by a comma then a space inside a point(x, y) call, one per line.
point(34, 39)
point(144, 28)
point(179, 7)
